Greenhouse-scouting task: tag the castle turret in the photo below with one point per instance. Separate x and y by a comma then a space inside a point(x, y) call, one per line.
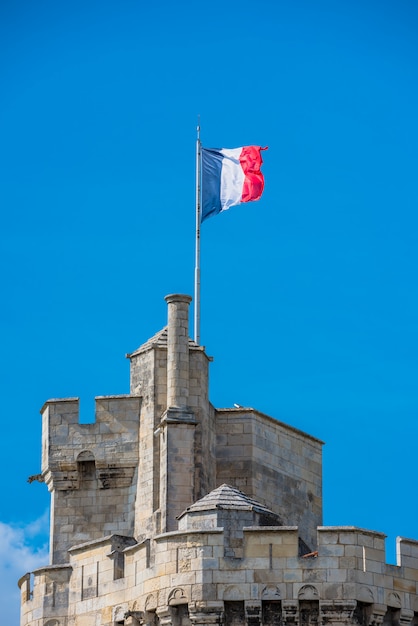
point(167, 511)
point(90, 470)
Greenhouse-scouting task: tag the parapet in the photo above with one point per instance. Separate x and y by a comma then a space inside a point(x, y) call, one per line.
point(346, 577)
point(111, 438)
point(356, 554)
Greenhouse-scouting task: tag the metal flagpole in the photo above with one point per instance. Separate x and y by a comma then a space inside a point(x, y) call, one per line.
point(197, 266)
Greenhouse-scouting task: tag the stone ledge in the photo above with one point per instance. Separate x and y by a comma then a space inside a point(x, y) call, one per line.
point(270, 418)
point(182, 533)
point(267, 529)
point(356, 529)
point(97, 542)
point(57, 400)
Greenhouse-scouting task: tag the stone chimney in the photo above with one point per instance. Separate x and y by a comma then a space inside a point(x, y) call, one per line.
point(178, 351)
point(177, 429)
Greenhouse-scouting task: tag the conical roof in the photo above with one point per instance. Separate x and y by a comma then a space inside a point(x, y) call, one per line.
point(228, 497)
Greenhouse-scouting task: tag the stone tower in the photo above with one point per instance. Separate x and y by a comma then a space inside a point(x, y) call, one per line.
point(166, 510)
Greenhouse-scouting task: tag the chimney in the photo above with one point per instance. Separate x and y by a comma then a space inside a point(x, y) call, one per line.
point(178, 423)
point(178, 351)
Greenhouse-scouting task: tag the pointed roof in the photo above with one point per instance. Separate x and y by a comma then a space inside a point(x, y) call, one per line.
point(159, 340)
point(228, 497)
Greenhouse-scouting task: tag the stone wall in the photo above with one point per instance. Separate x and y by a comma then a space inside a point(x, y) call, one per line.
point(274, 463)
point(148, 377)
point(345, 581)
point(90, 470)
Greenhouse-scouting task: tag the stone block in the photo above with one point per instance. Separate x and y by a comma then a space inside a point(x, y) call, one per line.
point(314, 576)
point(290, 538)
point(377, 567)
point(332, 591)
point(226, 576)
point(348, 562)
point(328, 562)
point(407, 586)
point(409, 562)
point(331, 550)
point(336, 575)
point(291, 575)
point(292, 562)
point(353, 550)
point(207, 563)
point(375, 555)
point(380, 580)
point(327, 537)
point(255, 549)
point(230, 427)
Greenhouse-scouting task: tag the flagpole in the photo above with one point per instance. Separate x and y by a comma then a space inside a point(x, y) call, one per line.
point(197, 265)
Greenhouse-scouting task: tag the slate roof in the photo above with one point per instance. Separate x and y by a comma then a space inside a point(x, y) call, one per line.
point(227, 497)
point(159, 340)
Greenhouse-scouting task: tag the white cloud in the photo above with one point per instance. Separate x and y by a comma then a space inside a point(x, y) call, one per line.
point(20, 552)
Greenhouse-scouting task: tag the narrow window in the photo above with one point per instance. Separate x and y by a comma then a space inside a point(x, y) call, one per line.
point(234, 613)
point(118, 565)
point(271, 613)
point(392, 617)
point(362, 613)
point(180, 615)
point(308, 612)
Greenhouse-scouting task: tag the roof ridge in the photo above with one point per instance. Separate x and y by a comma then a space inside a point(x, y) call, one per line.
point(158, 340)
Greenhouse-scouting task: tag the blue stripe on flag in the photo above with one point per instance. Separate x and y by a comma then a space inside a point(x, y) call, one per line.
point(211, 182)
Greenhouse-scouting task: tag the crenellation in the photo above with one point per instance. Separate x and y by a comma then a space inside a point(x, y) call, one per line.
point(165, 510)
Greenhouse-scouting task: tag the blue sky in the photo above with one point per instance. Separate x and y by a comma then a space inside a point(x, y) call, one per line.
point(309, 296)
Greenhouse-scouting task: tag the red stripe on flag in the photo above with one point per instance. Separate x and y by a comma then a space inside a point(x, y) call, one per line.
point(251, 161)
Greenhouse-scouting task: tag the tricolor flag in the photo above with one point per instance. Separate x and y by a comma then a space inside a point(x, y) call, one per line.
point(229, 177)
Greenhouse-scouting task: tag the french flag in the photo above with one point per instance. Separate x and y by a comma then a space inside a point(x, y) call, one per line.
point(229, 177)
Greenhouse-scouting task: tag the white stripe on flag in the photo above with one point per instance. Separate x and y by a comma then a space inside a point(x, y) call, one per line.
point(232, 178)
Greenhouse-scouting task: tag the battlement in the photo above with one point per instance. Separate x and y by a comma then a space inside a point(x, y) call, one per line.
point(90, 469)
point(367, 545)
point(113, 433)
point(115, 409)
point(347, 573)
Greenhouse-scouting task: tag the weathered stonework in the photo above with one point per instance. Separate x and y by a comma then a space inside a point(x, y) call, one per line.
point(167, 511)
